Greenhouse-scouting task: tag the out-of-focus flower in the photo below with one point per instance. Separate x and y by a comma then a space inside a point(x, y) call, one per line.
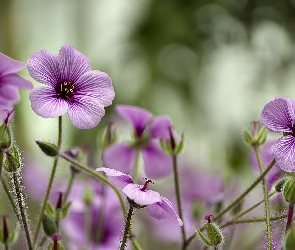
point(10, 82)
point(157, 206)
point(147, 131)
point(279, 115)
point(71, 86)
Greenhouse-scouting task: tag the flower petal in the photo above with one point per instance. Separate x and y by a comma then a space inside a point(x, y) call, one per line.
point(157, 163)
point(163, 210)
point(146, 197)
point(117, 178)
point(43, 67)
point(136, 116)
point(159, 127)
point(9, 65)
point(72, 63)
point(9, 95)
point(97, 84)
point(16, 81)
point(85, 112)
point(45, 103)
point(119, 156)
point(276, 115)
point(284, 153)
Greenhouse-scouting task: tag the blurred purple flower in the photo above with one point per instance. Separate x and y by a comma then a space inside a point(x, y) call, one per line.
point(10, 82)
point(71, 86)
point(157, 206)
point(279, 115)
point(148, 129)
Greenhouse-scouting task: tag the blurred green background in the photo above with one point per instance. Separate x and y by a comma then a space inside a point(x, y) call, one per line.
point(210, 65)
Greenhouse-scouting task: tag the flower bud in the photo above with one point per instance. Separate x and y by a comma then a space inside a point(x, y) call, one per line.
point(48, 224)
point(88, 196)
point(279, 185)
point(256, 137)
point(48, 148)
point(289, 240)
point(7, 237)
point(5, 137)
point(12, 160)
point(289, 190)
point(173, 145)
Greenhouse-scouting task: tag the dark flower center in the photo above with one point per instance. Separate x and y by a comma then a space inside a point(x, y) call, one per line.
point(65, 90)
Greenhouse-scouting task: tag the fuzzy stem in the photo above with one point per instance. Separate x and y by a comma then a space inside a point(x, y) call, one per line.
point(290, 216)
point(97, 175)
point(22, 210)
point(127, 227)
point(236, 201)
point(265, 191)
point(50, 180)
point(178, 197)
point(254, 220)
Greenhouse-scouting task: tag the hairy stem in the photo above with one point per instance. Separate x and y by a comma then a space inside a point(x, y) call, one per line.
point(127, 227)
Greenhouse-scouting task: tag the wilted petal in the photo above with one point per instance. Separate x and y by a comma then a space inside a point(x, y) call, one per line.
point(276, 115)
point(45, 103)
point(146, 197)
point(284, 153)
point(159, 127)
point(16, 81)
point(9, 65)
point(85, 112)
point(163, 210)
point(157, 163)
point(136, 116)
point(117, 178)
point(119, 156)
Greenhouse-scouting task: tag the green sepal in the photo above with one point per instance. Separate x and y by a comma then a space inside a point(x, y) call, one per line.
point(12, 161)
point(214, 234)
point(48, 224)
point(65, 209)
point(14, 235)
point(88, 196)
point(203, 238)
point(5, 137)
point(289, 190)
point(279, 185)
point(179, 147)
point(48, 148)
point(50, 210)
point(248, 136)
point(58, 214)
point(289, 240)
point(50, 246)
point(262, 135)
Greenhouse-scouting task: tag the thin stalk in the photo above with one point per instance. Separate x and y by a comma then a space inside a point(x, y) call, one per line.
point(22, 210)
point(290, 216)
point(236, 201)
point(254, 220)
point(136, 165)
point(10, 198)
point(127, 227)
point(265, 191)
point(96, 175)
point(50, 180)
point(69, 187)
point(135, 244)
point(177, 191)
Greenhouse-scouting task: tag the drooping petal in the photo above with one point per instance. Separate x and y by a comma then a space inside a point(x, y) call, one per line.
point(284, 153)
point(43, 67)
point(117, 178)
point(163, 210)
point(157, 163)
point(97, 84)
point(146, 197)
point(85, 112)
point(72, 63)
point(9, 95)
point(120, 157)
point(9, 65)
point(136, 116)
point(159, 127)
point(276, 115)
point(16, 81)
point(45, 103)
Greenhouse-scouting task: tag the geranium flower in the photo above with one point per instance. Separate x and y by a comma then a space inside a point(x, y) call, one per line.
point(71, 87)
point(10, 82)
point(147, 131)
point(157, 206)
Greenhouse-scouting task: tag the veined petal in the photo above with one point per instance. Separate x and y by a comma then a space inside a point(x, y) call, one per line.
point(157, 163)
point(136, 116)
point(97, 84)
point(45, 103)
point(85, 112)
point(276, 115)
point(119, 156)
point(284, 153)
point(159, 127)
point(117, 178)
point(16, 81)
point(72, 63)
point(146, 197)
point(9, 65)
point(43, 67)
point(163, 210)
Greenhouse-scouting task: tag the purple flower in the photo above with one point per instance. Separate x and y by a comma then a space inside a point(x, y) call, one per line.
point(10, 82)
point(279, 115)
point(157, 206)
point(71, 86)
point(147, 131)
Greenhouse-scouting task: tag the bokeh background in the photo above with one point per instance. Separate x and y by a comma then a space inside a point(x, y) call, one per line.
point(210, 65)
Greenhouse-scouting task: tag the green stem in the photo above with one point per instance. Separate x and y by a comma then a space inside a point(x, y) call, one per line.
point(135, 169)
point(236, 201)
point(97, 175)
point(50, 180)
point(265, 191)
point(254, 220)
point(135, 243)
point(127, 227)
point(177, 191)
point(22, 210)
point(69, 187)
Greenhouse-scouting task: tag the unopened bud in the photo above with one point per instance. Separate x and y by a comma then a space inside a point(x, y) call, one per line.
point(48, 148)
point(48, 224)
point(5, 137)
point(279, 185)
point(7, 237)
point(257, 137)
point(12, 160)
point(289, 190)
